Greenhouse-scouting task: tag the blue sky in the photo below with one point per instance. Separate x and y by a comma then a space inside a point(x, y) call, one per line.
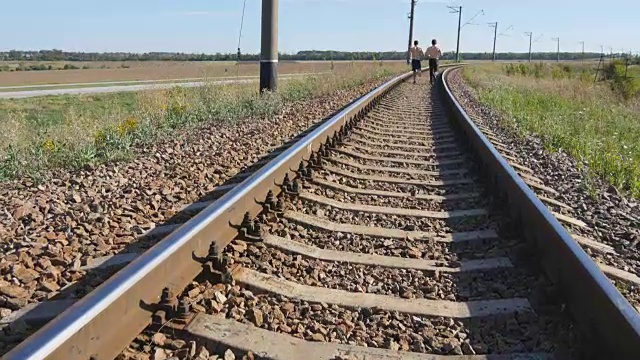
point(212, 25)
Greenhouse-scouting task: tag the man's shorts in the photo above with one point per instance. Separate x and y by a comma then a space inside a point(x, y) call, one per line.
point(433, 65)
point(415, 65)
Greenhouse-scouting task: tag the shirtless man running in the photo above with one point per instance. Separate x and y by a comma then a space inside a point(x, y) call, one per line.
point(416, 55)
point(433, 53)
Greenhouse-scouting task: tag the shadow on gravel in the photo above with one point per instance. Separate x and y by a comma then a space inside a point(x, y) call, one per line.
point(16, 327)
point(545, 298)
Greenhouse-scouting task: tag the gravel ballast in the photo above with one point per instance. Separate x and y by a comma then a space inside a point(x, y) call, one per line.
point(612, 218)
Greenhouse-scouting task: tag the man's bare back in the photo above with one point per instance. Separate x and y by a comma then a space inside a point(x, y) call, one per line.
point(416, 53)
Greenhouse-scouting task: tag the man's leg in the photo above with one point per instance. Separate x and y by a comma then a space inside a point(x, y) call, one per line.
point(433, 69)
point(430, 72)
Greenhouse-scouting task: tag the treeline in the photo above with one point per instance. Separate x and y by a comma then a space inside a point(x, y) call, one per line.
point(59, 55)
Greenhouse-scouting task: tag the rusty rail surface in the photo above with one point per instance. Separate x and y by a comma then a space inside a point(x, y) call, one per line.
point(104, 322)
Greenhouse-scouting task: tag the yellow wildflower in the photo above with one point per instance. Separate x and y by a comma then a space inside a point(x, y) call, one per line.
point(100, 138)
point(127, 126)
point(49, 145)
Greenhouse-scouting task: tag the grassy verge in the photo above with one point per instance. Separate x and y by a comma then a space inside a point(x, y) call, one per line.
point(39, 134)
point(595, 123)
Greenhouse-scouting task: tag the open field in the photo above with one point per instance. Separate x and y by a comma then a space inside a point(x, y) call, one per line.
point(563, 106)
point(156, 70)
point(93, 84)
point(71, 131)
point(134, 86)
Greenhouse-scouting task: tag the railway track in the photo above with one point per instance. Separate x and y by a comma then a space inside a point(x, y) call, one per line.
point(393, 230)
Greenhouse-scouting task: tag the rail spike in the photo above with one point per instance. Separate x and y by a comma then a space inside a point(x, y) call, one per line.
point(302, 169)
point(269, 203)
point(165, 309)
point(183, 311)
point(215, 265)
point(324, 148)
point(286, 182)
point(287, 187)
point(295, 188)
point(249, 230)
point(315, 161)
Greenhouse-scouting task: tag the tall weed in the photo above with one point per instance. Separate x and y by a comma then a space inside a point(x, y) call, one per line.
point(588, 121)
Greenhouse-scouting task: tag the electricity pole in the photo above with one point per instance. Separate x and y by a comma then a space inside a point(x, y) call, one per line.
point(269, 46)
point(582, 42)
point(558, 40)
point(530, 34)
point(494, 25)
point(457, 10)
point(413, 7)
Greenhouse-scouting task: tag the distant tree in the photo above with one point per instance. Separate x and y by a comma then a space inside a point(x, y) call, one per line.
point(59, 55)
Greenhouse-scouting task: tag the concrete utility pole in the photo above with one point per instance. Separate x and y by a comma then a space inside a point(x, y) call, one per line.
point(530, 35)
point(558, 40)
point(457, 10)
point(411, 15)
point(269, 46)
point(494, 25)
point(582, 42)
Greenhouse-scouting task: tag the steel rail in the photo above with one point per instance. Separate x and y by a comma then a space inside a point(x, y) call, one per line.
point(611, 325)
point(106, 320)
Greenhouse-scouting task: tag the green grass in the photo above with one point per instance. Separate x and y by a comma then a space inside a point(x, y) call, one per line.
point(39, 134)
point(41, 113)
point(634, 70)
point(590, 121)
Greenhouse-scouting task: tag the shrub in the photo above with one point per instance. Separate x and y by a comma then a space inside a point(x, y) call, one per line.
point(523, 69)
point(538, 69)
point(38, 67)
point(623, 84)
